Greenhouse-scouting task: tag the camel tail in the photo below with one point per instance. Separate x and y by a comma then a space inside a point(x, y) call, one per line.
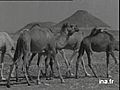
point(19, 49)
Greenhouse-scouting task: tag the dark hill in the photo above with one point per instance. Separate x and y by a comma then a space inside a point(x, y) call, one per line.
point(83, 19)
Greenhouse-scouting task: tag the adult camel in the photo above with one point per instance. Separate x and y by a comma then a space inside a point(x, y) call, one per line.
point(37, 40)
point(6, 47)
point(73, 44)
point(99, 40)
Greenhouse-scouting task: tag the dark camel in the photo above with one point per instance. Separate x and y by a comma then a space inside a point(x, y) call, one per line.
point(99, 40)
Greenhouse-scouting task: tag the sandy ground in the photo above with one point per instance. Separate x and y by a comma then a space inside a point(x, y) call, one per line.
point(82, 83)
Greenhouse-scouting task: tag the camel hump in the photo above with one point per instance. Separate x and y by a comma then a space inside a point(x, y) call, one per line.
point(97, 30)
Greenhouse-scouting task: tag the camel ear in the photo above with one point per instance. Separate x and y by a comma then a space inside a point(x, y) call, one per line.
point(64, 25)
point(67, 24)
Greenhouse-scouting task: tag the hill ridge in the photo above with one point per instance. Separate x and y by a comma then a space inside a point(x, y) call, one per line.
point(83, 19)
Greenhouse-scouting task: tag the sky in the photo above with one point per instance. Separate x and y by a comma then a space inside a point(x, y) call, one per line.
point(15, 15)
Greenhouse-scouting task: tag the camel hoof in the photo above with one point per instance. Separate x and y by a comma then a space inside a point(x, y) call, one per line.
point(72, 74)
point(29, 84)
point(48, 78)
point(51, 78)
point(96, 76)
point(46, 84)
point(76, 77)
point(69, 74)
point(38, 82)
point(17, 80)
point(8, 86)
point(62, 81)
point(109, 76)
point(87, 75)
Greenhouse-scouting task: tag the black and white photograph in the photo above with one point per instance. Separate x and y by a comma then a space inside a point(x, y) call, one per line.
point(59, 44)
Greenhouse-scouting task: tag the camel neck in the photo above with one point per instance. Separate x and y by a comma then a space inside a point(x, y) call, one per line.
point(61, 40)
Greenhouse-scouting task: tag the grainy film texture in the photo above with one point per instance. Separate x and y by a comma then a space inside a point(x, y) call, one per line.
point(59, 44)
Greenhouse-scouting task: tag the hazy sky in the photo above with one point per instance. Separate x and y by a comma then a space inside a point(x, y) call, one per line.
point(15, 15)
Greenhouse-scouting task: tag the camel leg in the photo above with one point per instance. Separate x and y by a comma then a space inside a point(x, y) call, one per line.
point(11, 56)
point(116, 62)
point(25, 67)
point(46, 66)
point(29, 63)
point(58, 68)
point(77, 65)
point(66, 61)
point(15, 60)
point(113, 55)
point(2, 64)
point(39, 69)
point(64, 57)
point(8, 80)
point(51, 66)
point(80, 58)
point(49, 60)
point(83, 65)
point(80, 55)
point(89, 62)
point(38, 62)
point(71, 58)
point(107, 63)
point(16, 68)
point(38, 77)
